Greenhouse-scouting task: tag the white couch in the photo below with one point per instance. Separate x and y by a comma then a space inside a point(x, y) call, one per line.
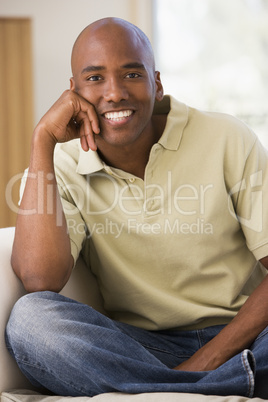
point(14, 387)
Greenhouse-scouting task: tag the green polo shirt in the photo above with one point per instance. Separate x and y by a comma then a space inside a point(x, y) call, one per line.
point(178, 249)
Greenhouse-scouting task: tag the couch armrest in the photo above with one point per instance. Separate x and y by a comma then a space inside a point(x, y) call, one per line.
point(11, 290)
point(82, 286)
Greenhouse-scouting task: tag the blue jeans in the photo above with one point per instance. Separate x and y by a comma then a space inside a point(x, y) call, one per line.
point(71, 349)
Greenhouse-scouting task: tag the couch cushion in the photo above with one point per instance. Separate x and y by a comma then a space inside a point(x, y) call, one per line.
point(30, 396)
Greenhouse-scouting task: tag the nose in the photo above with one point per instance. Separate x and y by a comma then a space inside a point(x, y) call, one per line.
point(115, 90)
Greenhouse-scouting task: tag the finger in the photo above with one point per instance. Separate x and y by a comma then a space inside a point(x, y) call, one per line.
point(87, 118)
point(86, 108)
point(92, 116)
point(89, 134)
point(91, 143)
point(84, 144)
point(74, 126)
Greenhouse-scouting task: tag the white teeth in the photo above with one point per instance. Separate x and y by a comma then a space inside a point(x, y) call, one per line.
point(117, 116)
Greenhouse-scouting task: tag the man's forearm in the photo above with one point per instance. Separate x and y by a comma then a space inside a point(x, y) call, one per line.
point(41, 254)
point(236, 336)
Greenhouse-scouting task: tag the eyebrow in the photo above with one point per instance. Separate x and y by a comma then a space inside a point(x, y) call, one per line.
point(90, 69)
point(133, 65)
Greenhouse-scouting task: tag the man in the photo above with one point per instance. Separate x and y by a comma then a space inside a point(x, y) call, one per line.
point(164, 201)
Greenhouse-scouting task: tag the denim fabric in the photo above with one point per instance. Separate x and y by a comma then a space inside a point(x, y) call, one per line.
point(71, 349)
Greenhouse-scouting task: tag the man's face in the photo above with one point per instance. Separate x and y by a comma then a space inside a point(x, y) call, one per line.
point(113, 72)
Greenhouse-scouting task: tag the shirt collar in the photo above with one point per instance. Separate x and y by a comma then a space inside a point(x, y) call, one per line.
point(90, 162)
point(177, 119)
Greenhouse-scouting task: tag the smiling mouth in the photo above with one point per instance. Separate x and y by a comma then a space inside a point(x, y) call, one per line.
point(118, 116)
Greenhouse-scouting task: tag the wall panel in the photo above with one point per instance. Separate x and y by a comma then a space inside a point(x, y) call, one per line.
point(16, 109)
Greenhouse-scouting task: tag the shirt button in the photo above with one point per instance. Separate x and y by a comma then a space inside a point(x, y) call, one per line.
point(132, 179)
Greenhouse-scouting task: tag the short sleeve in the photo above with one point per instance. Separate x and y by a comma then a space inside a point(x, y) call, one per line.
point(252, 200)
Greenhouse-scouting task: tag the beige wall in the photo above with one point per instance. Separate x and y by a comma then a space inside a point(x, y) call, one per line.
point(55, 26)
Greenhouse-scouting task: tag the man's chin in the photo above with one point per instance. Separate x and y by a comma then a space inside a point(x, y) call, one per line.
point(115, 139)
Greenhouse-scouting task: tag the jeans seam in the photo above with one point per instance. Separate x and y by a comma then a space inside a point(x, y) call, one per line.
point(200, 338)
point(163, 351)
point(147, 346)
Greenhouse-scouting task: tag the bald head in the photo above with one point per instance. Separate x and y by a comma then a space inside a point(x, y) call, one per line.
point(107, 30)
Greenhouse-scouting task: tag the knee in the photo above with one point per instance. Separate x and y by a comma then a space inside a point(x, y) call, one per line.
point(27, 318)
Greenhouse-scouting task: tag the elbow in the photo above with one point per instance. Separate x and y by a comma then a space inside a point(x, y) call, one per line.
point(39, 284)
point(41, 277)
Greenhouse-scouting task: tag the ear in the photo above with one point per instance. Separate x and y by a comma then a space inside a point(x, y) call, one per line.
point(72, 84)
point(159, 94)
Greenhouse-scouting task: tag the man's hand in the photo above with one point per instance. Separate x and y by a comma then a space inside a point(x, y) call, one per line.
point(71, 117)
point(202, 360)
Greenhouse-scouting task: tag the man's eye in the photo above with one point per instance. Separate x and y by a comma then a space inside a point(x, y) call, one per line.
point(133, 75)
point(94, 78)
